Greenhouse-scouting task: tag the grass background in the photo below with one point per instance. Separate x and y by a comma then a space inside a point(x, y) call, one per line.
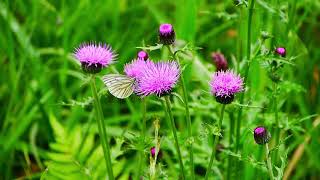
point(46, 112)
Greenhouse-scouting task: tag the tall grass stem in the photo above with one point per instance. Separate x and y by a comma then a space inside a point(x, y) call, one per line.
point(250, 13)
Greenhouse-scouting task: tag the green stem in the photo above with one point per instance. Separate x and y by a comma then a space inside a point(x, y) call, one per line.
point(174, 131)
point(230, 144)
point(245, 82)
point(277, 131)
point(143, 135)
point(269, 163)
point(101, 126)
point(216, 141)
point(292, 12)
point(144, 118)
point(239, 40)
point(186, 103)
point(246, 73)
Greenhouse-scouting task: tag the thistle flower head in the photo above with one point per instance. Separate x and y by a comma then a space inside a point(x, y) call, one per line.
point(166, 34)
point(135, 68)
point(157, 78)
point(220, 61)
point(142, 55)
point(93, 57)
point(281, 51)
point(224, 84)
point(261, 135)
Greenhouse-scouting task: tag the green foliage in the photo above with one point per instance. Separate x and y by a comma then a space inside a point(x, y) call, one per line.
point(68, 158)
point(48, 128)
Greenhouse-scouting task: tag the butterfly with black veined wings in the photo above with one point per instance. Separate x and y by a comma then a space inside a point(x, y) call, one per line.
point(120, 86)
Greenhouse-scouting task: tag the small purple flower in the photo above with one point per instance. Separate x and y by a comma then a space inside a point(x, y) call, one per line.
point(153, 152)
point(281, 51)
point(261, 135)
point(158, 78)
point(93, 57)
point(142, 55)
point(224, 84)
point(135, 68)
point(220, 61)
point(166, 34)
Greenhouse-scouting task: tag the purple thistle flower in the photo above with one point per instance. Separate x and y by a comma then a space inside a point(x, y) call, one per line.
point(158, 78)
point(224, 84)
point(281, 51)
point(142, 55)
point(93, 57)
point(261, 135)
point(167, 35)
point(220, 61)
point(135, 68)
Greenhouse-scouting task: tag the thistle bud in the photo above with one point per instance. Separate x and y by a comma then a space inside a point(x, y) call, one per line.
point(167, 35)
point(142, 55)
point(281, 51)
point(261, 135)
point(220, 61)
point(153, 152)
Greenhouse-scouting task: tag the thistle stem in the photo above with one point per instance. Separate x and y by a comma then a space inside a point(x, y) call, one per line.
point(188, 118)
point(230, 144)
point(143, 134)
point(144, 117)
point(246, 73)
point(101, 126)
point(277, 130)
point(153, 162)
point(174, 131)
point(216, 141)
point(269, 165)
point(244, 81)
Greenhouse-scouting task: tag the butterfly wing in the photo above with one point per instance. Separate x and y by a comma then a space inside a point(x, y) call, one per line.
point(119, 85)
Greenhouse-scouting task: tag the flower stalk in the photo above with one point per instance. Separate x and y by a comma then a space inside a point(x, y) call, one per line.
point(269, 163)
point(101, 127)
point(153, 158)
point(277, 130)
point(143, 133)
point(245, 76)
point(174, 131)
point(216, 141)
point(188, 118)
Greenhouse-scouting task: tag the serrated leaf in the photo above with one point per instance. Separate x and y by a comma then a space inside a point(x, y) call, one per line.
point(151, 48)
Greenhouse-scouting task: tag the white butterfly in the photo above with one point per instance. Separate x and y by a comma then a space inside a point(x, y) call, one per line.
point(120, 86)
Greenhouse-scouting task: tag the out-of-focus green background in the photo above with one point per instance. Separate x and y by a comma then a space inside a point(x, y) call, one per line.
point(45, 103)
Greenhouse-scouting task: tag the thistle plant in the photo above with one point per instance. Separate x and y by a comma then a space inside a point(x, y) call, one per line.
point(224, 85)
point(93, 57)
point(262, 137)
point(210, 77)
point(134, 70)
point(167, 38)
point(159, 78)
